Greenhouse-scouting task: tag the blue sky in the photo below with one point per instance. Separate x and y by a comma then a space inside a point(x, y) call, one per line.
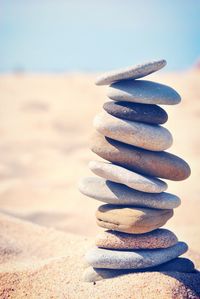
point(90, 35)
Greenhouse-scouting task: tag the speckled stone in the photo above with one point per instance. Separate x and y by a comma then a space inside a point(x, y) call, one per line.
point(150, 137)
point(133, 220)
point(138, 259)
point(118, 194)
point(129, 178)
point(144, 92)
point(132, 72)
point(159, 238)
point(179, 264)
point(145, 113)
point(158, 164)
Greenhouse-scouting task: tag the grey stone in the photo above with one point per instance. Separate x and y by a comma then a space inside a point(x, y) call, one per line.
point(118, 174)
point(145, 113)
point(180, 264)
point(132, 72)
point(114, 193)
point(138, 259)
point(144, 92)
point(150, 137)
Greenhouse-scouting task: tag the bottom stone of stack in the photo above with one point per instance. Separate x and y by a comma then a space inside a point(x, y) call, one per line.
point(176, 265)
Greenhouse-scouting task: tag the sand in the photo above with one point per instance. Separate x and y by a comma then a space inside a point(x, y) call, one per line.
point(37, 262)
point(46, 121)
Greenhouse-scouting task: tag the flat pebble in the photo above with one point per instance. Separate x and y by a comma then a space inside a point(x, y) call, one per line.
point(133, 220)
point(157, 164)
point(132, 72)
point(129, 178)
point(145, 113)
point(150, 137)
point(114, 193)
point(144, 92)
point(138, 259)
point(159, 238)
point(179, 264)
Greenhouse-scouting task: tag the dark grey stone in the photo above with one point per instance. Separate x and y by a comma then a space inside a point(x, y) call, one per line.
point(145, 113)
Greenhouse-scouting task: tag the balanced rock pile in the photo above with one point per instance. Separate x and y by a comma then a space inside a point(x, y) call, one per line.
point(130, 136)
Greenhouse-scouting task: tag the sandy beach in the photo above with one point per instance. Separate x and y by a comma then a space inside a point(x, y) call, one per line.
point(46, 224)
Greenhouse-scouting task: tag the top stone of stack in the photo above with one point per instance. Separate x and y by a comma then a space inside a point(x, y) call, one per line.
point(124, 88)
point(132, 72)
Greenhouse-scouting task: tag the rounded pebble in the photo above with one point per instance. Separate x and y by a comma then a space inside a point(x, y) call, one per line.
point(132, 72)
point(157, 164)
point(159, 238)
point(129, 178)
point(114, 193)
point(150, 137)
point(138, 259)
point(133, 220)
point(145, 113)
point(144, 92)
point(179, 264)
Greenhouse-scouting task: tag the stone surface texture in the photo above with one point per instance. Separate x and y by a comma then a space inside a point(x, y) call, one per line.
point(179, 264)
point(151, 114)
point(150, 137)
point(132, 72)
point(114, 193)
point(129, 178)
point(159, 238)
point(138, 259)
point(131, 219)
point(143, 92)
point(158, 164)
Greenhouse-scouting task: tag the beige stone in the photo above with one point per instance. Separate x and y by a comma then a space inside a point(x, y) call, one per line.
point(158, 164)
point(131, 220)
point(159, 238)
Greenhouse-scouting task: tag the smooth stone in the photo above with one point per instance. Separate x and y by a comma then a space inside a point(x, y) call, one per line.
point(159, 238)
point(179, 264)
point(158, 164)
point(145, 113)
point(132, 72)
point(138, 259)
point(183, 265)
point(114, 193)
point(129, 178)
point(150, 137)
point(144, 92)
point(133, 220)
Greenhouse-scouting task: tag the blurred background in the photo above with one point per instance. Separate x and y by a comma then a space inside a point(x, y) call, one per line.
point(50, 54)
point(63, 35)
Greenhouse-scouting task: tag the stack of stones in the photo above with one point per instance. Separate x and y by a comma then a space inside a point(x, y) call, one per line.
point(130, 136)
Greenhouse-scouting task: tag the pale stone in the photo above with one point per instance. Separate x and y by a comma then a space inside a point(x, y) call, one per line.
point(114, 193)
point(150, 137)
point(179, 264)
point(129, 178)
point(144, 92)
point(138, 259)
point(132, 72)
